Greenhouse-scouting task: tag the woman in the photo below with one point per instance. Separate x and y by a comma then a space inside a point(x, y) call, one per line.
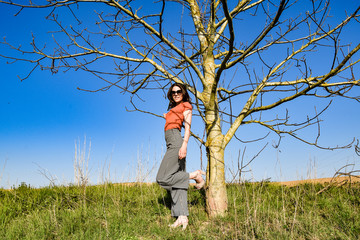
point(172, 175)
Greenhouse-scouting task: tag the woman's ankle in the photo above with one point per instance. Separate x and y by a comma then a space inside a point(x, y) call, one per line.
point(183, 218)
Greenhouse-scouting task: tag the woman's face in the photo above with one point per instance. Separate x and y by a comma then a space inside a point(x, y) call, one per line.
point(177, 94)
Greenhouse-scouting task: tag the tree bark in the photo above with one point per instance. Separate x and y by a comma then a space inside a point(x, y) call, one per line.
point(216, 196)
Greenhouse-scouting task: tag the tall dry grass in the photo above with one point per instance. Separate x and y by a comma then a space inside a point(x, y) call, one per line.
point(257, 210)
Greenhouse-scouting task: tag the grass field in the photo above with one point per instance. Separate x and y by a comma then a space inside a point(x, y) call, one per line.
point(141, 211)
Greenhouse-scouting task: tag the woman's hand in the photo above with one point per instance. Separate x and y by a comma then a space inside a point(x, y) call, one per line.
point(182, 151)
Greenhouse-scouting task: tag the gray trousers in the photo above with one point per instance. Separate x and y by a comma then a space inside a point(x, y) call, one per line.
point(172, 174)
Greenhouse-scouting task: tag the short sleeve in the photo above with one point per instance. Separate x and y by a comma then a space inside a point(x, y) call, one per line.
point(187, 106)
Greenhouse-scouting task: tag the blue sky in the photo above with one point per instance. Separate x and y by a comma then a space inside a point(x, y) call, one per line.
point(43, 116)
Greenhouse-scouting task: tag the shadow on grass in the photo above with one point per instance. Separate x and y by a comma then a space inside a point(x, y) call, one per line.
point(195, 197)
point(165, 200)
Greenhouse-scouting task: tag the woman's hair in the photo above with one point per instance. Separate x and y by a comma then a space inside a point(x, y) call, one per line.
point(185, 95)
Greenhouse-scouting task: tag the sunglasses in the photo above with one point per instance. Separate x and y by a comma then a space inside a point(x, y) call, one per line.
point(176, 92)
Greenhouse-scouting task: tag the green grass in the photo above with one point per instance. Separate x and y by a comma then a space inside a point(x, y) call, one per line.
point(116, 211)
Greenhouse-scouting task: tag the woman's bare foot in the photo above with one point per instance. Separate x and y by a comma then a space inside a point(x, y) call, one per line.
point(200, 182)
point(180, 221)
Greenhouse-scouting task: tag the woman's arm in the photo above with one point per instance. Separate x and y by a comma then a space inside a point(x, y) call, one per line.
point(187, 124)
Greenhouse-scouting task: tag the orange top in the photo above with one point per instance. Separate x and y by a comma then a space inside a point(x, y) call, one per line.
point(175, 117)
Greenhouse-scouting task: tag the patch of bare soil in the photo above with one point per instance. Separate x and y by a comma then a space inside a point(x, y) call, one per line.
point(335, 180)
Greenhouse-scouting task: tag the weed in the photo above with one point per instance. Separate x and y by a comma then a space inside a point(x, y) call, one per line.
point(141, 211)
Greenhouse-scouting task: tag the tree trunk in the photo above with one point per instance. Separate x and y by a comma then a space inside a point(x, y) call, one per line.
point(216, 196)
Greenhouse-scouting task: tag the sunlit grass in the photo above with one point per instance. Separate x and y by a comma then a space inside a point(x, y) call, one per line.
point(141, 211)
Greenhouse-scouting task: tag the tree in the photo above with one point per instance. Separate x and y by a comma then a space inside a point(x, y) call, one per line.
point(271, 64)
